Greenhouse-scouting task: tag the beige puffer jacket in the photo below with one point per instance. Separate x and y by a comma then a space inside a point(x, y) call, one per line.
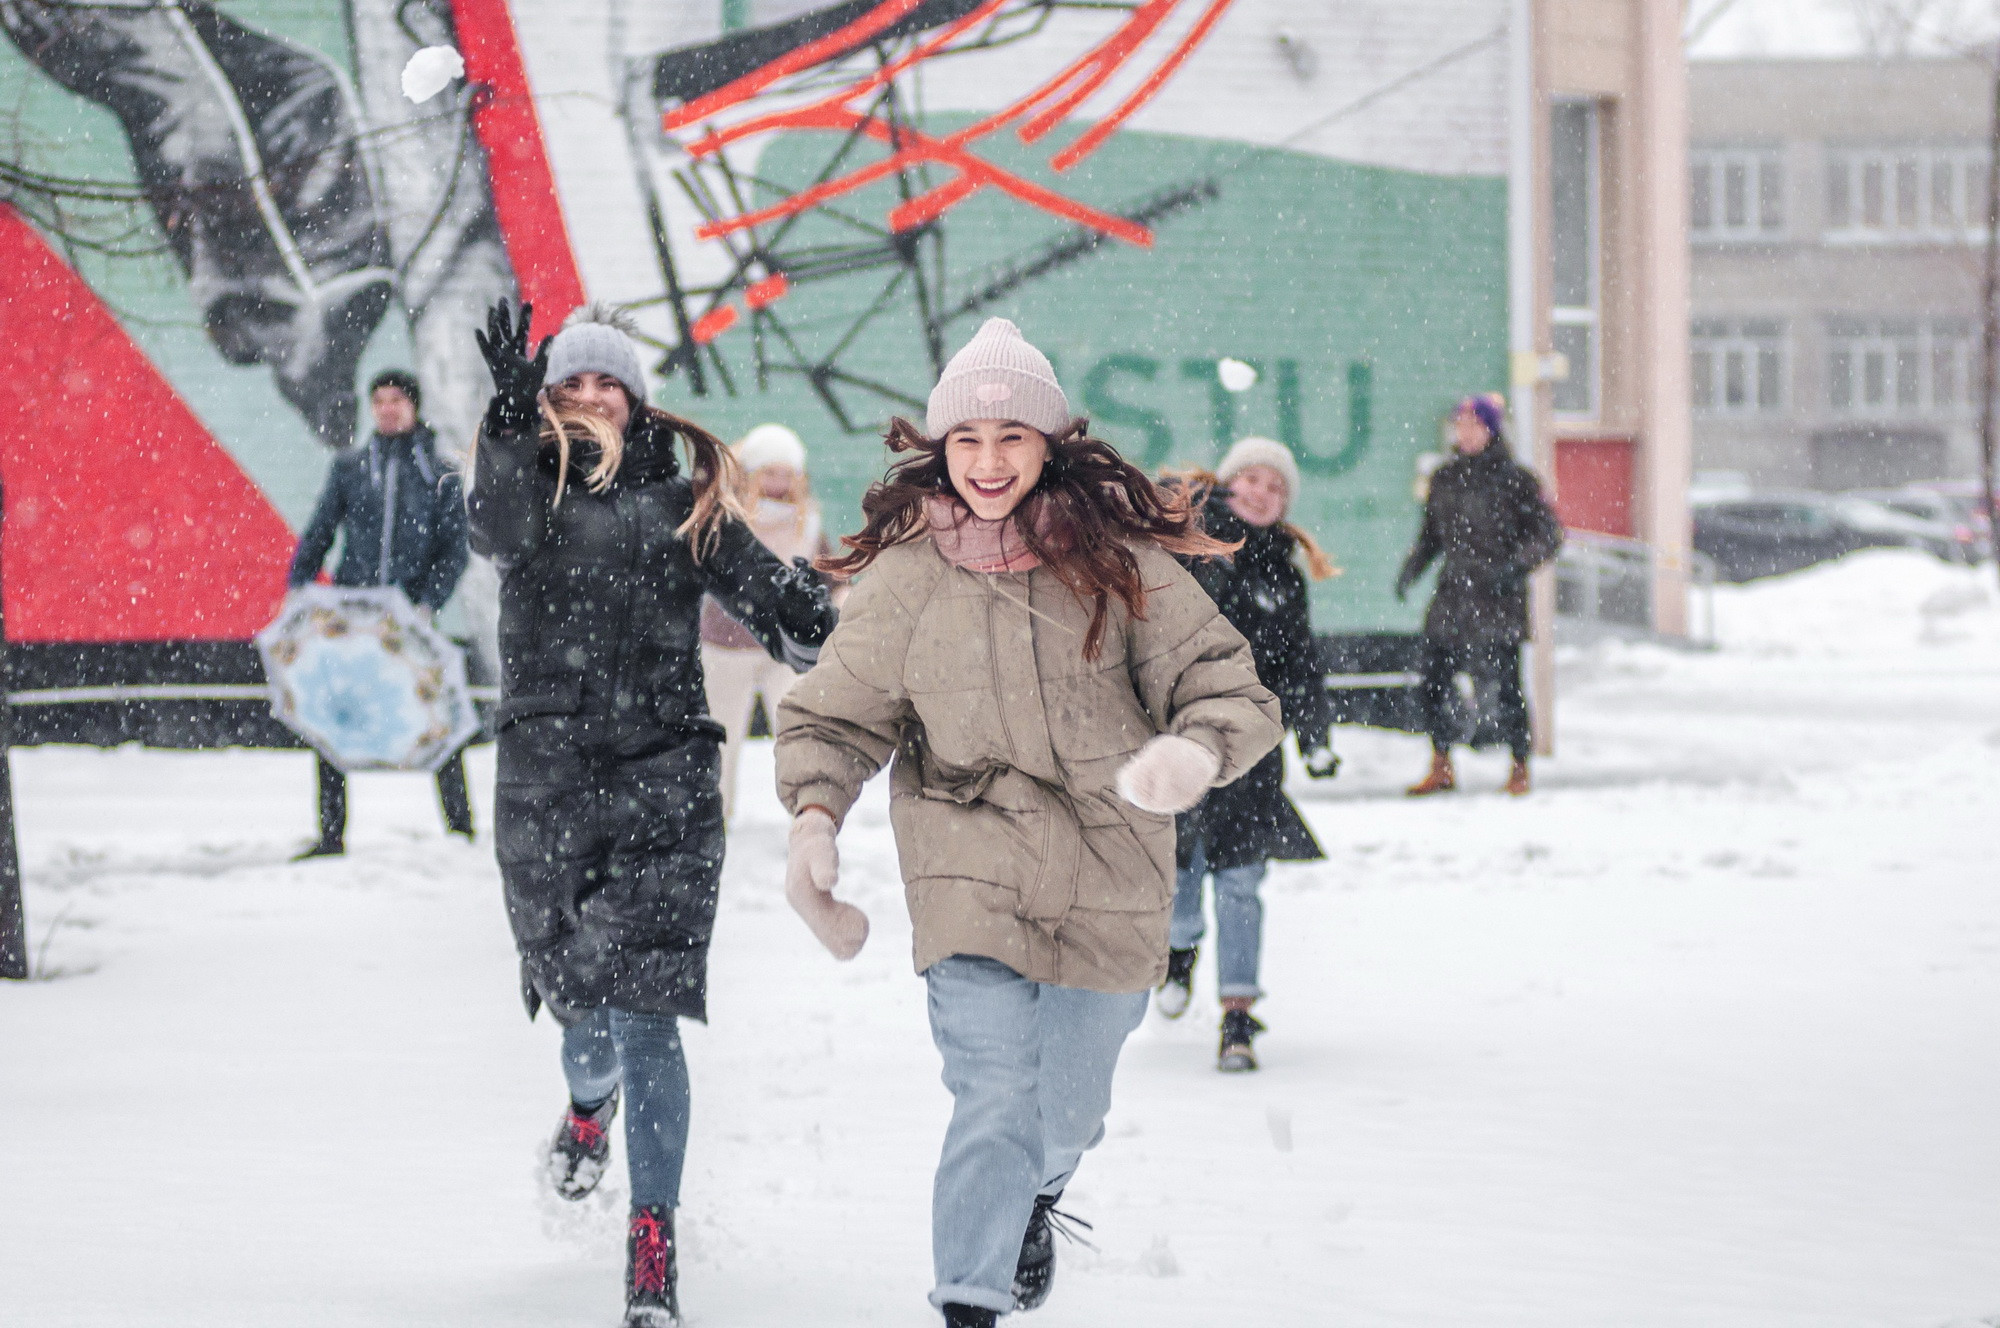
point(1014, 842)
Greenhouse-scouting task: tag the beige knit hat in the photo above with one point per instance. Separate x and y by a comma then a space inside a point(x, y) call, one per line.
point(998, 376)
point(1255, 451)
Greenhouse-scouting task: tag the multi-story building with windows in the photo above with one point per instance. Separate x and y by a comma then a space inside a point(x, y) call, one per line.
point(1837, 212)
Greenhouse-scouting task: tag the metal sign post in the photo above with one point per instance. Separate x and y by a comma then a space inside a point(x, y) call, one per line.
point(13, 920)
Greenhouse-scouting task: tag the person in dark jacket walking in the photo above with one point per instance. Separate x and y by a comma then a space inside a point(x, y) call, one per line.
point(1486, 516)
point(607, 810)
point(400, 514)
point(1239, 828)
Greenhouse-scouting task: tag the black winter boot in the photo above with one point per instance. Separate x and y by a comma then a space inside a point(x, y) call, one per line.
point(1239, 1030)
point(652, 1297)
point(969, 1316)
point(1036, 1271)
point(1173, 995)
point(581, 1149)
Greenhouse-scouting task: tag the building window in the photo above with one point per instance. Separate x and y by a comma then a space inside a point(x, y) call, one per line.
point(1738, 368)
point(1573, 247)
point(1736, 194)
point(1907, 194)
point(1901, 367)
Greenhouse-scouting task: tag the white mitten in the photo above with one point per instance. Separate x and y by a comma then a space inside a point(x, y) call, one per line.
point(1169, 775)
point(812, 869)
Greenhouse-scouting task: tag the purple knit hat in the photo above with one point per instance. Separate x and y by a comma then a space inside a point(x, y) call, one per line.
point(1488, 408)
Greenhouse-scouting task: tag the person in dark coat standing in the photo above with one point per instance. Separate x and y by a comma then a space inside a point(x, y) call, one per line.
point(607, 808)
point(1233, 835)
point(400, 514)
point(1486, 517)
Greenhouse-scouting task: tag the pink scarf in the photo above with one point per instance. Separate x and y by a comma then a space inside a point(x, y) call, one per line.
point(976, 545)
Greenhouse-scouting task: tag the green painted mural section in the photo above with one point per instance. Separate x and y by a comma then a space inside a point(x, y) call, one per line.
point(1367, 299)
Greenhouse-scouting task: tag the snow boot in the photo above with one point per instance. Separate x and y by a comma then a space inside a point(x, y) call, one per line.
point(1239, 1030)
point(1441, 779)
point(1174, 993)
point(652, 1274)
point(969, 1316)
point(581, 1150)
point(1517, 779)
point(1036, 1271)
point(325, 848)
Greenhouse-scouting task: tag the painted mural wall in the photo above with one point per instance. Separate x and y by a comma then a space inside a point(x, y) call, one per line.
point(807, 206)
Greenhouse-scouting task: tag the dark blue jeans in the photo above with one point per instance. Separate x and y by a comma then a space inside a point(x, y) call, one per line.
point(643, 1052)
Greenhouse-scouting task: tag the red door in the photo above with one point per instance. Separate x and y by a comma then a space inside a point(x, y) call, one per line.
point(1594, 484)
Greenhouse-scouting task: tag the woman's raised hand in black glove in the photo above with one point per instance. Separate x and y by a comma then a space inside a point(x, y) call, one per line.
point(517, 377)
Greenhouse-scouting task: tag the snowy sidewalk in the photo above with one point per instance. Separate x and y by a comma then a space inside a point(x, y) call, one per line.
point(1706, 1033)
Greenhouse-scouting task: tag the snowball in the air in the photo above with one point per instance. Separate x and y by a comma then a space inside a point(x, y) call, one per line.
point(1236, 376)
point(430, 71)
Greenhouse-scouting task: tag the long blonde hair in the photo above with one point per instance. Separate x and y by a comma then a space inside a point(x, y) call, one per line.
point(712, 468)
point(1202, 485)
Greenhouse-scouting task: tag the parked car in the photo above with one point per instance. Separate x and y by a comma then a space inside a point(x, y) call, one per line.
point(1774, 533)
point(1771, 534)
point(1947, 521)
point(1968, 501)
point(1907, 525)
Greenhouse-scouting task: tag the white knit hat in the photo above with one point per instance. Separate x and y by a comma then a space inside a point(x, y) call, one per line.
point(770, 445)
point(1255, 451)
point(597, 339)
point(998, 376)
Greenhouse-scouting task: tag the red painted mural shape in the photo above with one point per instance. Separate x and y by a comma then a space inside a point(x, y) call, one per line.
point(126, 520)
point(524, 184)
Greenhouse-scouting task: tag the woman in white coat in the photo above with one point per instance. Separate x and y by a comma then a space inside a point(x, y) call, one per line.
point(778, 502)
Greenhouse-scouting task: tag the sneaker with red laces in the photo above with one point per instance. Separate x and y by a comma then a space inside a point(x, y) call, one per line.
point(581, 1150)
point(652, 1298)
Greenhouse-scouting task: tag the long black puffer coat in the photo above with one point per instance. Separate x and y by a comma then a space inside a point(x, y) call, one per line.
point(1263, 594)
point(1486, 515)
point(607, 813)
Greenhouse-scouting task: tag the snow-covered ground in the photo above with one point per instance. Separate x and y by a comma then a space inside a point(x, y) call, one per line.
point(1706, 1033)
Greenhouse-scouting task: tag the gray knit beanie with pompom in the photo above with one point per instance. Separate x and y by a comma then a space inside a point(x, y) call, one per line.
point(598, 339)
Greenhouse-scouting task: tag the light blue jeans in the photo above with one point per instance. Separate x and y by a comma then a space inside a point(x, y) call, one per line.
point(1239, 921)
point(643, 1051)
point(1029, 1067)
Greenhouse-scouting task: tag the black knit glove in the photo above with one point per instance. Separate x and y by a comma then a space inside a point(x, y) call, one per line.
point(803, 605)
point(517, 378)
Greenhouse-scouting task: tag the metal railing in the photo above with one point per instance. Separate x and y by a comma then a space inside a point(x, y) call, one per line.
point(1604, 587)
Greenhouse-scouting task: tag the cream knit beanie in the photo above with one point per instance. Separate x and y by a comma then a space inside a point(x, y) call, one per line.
point(998, 376)
point(770, 445)
point(1254, 451)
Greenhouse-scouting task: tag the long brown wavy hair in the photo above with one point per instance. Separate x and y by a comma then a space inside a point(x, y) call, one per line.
point(712, 467)
point(1088, 502)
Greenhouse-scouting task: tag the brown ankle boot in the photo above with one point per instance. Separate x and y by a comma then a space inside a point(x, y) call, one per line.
point(1517, 779)
point(1441, 779)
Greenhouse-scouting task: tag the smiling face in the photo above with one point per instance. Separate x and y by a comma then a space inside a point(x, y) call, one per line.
point(394, 413)
point(994, 464)
point(775, 481)
point(1258, 495)
point(602, 393)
